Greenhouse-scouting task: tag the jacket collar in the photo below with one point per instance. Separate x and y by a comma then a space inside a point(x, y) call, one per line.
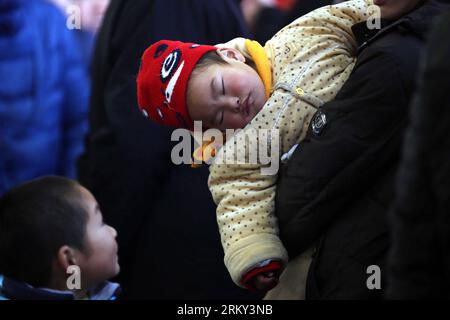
point(417, 21)
point(17, 290)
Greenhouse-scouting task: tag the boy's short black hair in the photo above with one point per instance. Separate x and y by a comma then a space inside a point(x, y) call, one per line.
point(36, 220)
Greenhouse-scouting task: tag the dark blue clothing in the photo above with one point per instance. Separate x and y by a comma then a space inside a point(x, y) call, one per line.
point(86, 41)
point(16, 290)
point(43, 93)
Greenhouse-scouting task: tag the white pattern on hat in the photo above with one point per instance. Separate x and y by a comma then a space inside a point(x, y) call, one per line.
point(172, 83)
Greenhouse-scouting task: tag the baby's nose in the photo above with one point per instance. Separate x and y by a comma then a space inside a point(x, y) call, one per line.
point(234, 103)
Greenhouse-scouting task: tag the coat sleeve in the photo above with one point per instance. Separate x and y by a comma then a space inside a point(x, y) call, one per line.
point(308, 76)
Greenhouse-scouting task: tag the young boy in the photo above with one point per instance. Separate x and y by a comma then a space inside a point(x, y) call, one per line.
point(49, 228)
point(242, 85)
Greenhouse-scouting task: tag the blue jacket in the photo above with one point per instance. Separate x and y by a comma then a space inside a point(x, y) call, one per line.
point(43, 93)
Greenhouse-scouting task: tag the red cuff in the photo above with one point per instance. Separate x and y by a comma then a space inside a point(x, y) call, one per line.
point(249, 276)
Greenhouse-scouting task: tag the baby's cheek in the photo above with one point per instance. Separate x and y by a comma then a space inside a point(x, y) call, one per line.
point(236, 122)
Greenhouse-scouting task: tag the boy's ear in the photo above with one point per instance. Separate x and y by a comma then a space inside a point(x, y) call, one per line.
point(230, 53)
point(66, 257)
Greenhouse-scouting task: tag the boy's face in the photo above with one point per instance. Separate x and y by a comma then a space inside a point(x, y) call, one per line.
point(225, 96)
point(100, 261)
point(394, 9)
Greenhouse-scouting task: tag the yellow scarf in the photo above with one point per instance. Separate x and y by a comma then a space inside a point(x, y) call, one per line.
point(264, 70)
point(262, 63)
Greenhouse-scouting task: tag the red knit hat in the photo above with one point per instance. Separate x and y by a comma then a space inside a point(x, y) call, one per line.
point(163, 78)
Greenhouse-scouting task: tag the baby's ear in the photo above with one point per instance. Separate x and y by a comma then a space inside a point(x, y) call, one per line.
point(231, 54)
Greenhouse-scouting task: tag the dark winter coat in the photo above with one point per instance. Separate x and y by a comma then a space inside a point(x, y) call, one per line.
point(270, 20)
point(338, 185)
point(169, 246)
point(419, 259)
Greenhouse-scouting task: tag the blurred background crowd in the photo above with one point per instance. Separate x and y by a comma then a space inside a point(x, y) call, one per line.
point(67, 107)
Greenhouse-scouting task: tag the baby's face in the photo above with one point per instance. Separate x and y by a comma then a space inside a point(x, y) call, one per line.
point(225, 96)
point(394, 9)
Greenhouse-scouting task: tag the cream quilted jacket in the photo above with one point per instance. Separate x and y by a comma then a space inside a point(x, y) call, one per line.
point(311, 59)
